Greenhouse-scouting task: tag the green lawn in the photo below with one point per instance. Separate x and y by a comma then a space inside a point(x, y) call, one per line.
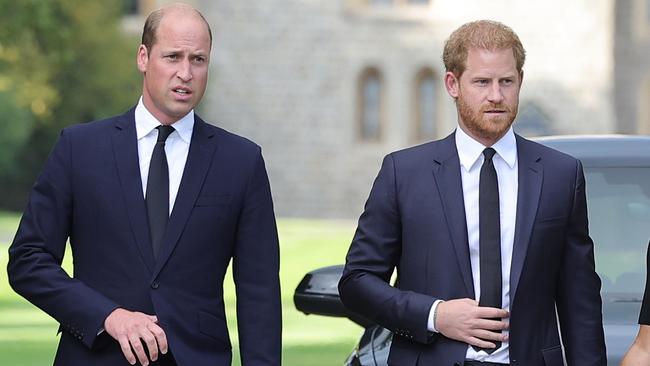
point(28, 336)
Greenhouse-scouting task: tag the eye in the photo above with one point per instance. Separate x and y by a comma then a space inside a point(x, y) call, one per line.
point(507, 82)
point(199, 59)
point(481, 82)
point(172, 57)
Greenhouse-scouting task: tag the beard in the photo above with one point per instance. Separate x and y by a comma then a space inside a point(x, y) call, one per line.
point(482, 125)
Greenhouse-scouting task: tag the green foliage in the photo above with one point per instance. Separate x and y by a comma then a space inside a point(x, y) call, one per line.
point(61, 62)
point(15, 131)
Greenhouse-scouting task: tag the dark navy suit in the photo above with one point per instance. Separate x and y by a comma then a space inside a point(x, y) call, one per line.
point(90, 192)
point(414, 220)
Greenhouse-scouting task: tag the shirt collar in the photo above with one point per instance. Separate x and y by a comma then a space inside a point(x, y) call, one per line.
point(145, 122)
point(470, 150)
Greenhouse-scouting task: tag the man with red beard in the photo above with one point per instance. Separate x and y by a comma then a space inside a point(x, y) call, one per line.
point(487, 231)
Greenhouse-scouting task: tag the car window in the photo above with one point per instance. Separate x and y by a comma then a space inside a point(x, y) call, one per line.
point(619, 223)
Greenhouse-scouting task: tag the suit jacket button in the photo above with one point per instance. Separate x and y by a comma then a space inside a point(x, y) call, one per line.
point(155, 285)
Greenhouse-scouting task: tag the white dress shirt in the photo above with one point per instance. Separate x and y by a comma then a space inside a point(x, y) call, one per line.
point(177, 147)
point(470, 153)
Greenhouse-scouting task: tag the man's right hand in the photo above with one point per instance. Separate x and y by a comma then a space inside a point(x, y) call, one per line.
point(465, 321)
point(131, 329)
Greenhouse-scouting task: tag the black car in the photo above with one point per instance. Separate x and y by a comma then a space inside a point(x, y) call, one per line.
point(617, 172)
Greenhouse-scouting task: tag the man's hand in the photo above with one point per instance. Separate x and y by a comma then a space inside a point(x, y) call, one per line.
point(465, 321)
point(131, 329)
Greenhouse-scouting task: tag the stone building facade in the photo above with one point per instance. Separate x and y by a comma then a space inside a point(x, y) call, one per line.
point(328, 87)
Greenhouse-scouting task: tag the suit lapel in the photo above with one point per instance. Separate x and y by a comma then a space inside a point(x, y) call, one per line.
point(125, 150)
point(531, 175)
point(446, 173)
point(199, 158)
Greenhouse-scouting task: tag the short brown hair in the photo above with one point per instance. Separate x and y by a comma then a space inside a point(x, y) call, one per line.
point(482, 34)
point(153, 22)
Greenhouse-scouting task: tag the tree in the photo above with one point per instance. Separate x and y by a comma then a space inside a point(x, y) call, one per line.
point(61, 62)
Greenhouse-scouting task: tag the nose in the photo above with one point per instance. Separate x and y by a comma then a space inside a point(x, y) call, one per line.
point(185, 71)
point(495, 95)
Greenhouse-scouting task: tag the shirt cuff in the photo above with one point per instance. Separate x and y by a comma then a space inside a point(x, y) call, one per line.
point(431, 323)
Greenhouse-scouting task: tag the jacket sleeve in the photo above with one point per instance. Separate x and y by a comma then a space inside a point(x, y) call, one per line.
point(35, 256)
point(256, 274)
point(578, 303)
point(373, 255)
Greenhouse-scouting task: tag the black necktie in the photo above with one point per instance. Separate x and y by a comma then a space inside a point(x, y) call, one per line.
point(157, 196)
point(489, 236)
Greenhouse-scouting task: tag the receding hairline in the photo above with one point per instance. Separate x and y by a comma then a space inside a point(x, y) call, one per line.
point(154, 19)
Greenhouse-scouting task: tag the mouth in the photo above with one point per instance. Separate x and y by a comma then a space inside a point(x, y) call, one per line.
point(182, 91)
point(495, 112)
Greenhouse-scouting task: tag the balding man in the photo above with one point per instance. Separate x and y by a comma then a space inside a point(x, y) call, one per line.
point(155, 203)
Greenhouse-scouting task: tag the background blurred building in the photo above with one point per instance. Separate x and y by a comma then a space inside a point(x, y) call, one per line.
point(328, 87)
point(632, 66)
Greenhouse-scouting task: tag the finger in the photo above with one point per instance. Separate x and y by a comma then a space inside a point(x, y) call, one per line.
point(150, 341)
point(473, 341)
point(488, 335)
point(138, 348)
point(153, 318)
point(487, 312)
point(126, 350)
point(161, 337)
point(490, 324)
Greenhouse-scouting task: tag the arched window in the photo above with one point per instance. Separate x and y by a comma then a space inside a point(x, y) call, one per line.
point(426, 105)
point(370, 105)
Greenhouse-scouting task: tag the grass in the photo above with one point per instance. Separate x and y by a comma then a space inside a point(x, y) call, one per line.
point(28, 336)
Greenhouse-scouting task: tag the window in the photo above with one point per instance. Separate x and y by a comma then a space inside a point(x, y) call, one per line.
point(370, 101)
point(426, 101)
point(619, 210)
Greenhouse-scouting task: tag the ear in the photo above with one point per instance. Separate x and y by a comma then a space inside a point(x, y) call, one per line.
point(452, 84)
point(142, 58)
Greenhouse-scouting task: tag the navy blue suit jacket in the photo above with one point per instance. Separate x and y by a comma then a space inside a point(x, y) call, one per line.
point(414, 220)
point(90, 192)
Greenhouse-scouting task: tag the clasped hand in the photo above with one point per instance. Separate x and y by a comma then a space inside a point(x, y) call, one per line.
point(131, 329)
point(464, 320)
